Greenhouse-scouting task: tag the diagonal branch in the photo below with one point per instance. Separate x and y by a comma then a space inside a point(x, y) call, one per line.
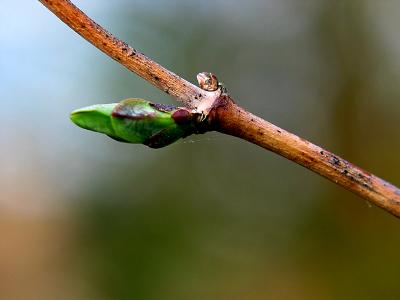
point(233, 120)
point(226, 117)
point(129, 57)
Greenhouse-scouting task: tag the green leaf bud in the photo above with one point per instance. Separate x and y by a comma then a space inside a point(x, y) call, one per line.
point(139, 121)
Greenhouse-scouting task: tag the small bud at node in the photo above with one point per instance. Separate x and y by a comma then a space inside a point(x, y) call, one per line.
point(207, 81)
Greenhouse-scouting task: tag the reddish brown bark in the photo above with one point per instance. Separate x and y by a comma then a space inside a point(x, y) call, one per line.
point(129, 57)
point(231, 119)
point(225, 116)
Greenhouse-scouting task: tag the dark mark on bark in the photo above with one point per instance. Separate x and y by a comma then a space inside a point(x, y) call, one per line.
point(124, 45)
point(322, 152)
point(279, 131)
point(335, 160)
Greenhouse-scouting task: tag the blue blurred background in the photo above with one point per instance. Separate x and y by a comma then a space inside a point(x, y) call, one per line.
point(210, 217)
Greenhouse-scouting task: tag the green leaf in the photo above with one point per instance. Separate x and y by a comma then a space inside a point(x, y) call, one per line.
point(95, 118)
point(138, 121)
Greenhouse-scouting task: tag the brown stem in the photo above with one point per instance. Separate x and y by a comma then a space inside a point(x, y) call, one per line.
point(129, 57)
point(226, 117)
point(231, 119)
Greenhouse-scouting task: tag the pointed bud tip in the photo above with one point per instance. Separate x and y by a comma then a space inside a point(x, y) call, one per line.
point(94, 117)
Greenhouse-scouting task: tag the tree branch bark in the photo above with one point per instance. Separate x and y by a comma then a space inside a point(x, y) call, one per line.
point(231, 119)
point(226, 117)
point(129, 57)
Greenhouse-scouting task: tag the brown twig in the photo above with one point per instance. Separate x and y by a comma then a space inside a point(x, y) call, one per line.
point(225, 116)
point(129, 57)
point(231, 119)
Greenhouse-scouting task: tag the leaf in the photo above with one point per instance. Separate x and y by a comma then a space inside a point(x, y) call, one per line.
point(137, 121)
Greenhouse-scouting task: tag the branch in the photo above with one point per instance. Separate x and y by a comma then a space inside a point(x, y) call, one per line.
point(231, 119)
point(129, 57)
point(225, 116)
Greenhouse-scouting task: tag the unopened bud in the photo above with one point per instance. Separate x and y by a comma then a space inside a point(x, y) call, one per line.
point(138, 121)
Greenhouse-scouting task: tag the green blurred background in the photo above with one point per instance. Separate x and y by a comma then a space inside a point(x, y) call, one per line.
point(210, 217)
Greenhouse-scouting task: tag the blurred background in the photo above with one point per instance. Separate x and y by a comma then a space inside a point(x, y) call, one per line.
point(211, 216)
